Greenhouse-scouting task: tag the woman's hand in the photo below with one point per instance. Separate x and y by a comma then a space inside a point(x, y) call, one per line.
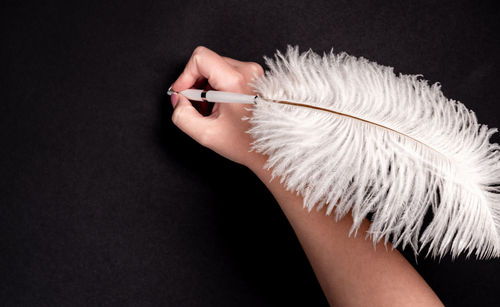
point(223, 130)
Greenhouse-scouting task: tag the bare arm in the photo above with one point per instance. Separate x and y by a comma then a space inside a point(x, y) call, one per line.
point(350, 271)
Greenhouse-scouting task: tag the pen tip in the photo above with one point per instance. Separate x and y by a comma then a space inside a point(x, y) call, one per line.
point(170, 91)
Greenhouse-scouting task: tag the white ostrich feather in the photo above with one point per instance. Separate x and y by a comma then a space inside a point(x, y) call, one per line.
point(398, 149)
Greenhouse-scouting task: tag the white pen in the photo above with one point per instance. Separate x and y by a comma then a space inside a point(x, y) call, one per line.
point(216, 96)
point(229, 97)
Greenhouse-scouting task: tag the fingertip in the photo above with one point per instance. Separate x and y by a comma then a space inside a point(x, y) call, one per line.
point(174, 99)
point(183, 100)
point(184, 110)
point(187, 118)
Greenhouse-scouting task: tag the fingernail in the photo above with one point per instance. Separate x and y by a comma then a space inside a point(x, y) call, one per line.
point(170, 91)
point(174, 99)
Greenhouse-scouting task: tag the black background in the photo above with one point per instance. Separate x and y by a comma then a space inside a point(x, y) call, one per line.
point(104, 202)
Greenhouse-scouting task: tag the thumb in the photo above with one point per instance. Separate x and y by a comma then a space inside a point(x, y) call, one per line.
point(188, 119)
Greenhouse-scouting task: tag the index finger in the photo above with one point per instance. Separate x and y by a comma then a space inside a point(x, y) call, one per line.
point(208, 64)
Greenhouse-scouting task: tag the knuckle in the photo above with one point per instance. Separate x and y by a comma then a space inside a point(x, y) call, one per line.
point(198, 53)
point(199, 49)
point(238, 81)
point(256, 68)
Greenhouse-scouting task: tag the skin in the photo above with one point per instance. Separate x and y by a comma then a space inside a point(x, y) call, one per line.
point(350, 270)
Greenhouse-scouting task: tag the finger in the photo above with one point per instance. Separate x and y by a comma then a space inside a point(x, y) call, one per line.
point(189, 120)
point(232, 61)
point(248, 69)
point(208, 64)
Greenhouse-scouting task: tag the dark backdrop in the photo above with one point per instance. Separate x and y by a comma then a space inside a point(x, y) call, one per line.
point(104, 202)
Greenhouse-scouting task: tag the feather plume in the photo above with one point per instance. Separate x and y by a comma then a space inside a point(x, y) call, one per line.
point(373, 142)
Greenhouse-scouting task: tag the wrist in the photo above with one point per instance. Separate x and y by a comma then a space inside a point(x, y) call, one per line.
point(256, 162)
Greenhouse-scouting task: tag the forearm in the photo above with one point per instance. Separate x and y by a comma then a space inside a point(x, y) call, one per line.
point(350, 270)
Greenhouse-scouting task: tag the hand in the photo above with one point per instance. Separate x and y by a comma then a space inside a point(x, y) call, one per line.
point(223, 130)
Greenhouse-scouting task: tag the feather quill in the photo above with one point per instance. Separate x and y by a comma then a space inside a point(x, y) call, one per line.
point(394, 147)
